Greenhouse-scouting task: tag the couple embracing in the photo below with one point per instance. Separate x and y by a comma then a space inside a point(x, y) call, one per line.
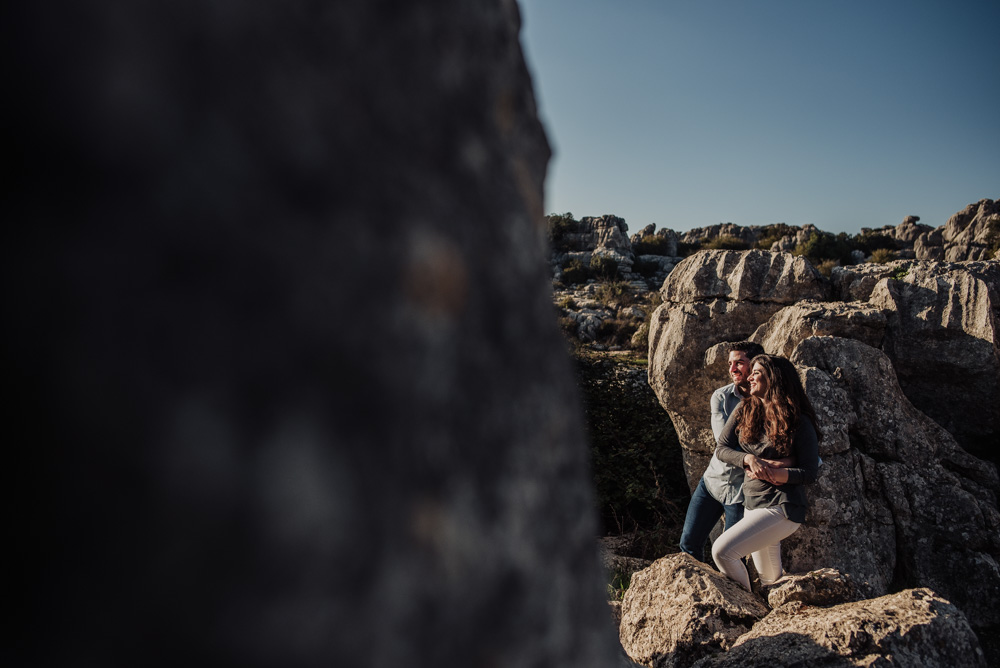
point(767, 446)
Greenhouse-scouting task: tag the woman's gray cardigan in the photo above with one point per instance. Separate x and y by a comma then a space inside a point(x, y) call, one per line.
point(760, 493)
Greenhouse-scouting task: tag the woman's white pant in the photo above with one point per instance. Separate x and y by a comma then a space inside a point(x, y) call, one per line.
point(759, 533)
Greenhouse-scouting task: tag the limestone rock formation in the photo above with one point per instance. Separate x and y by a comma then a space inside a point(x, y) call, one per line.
point(271, 265)
point(912, 628)
point(822, 587)
point(943, 336)
point(679, 610)
point(667, 237)
point(757, 276)
point(746, 234)
point(682, 613)
point(708, 293)
point(599, 233)
point(875, 518)
point(898, 503)
point(908, 231)
point(970, 234)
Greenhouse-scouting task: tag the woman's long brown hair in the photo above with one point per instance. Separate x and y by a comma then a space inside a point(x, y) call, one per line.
point(777, 413)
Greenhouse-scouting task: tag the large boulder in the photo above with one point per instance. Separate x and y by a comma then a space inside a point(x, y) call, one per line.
point(912, 628)
point(943, 336)
point(971, 234)
point(757, 276)
point(706, 295)
point(890, 474)
point(824, 587)
point(607, 234)
point(678, 610)
point(285, 377)
point(908, 231)
point(903, 486)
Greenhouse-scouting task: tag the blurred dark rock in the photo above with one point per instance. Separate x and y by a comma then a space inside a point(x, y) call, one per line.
point(271, 273)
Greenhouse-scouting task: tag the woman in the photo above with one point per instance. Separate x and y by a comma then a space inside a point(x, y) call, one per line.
point(775, 421)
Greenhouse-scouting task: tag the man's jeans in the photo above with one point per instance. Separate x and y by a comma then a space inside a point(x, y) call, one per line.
point(702, 514)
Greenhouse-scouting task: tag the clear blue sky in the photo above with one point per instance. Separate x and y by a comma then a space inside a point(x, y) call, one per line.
point(845, 114)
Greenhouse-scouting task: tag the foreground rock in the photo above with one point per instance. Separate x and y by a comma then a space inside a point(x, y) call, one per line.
point(822, 587)
point(679, 610)
point(912, 628)
point(278, 319)
point(682, 613)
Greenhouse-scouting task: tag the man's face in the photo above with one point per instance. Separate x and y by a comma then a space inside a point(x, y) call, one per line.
point(739, 367)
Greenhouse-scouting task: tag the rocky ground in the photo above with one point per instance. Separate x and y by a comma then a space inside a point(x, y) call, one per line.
point(900, 361)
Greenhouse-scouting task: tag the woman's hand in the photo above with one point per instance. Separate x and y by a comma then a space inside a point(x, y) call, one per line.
point(771, 470)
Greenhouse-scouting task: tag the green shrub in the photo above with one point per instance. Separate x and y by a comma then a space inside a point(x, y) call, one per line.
point(771, 233)
point(604, 267)
point(993, 237)
point(826, 267)
point(635, 458)
point(825, 246)
point(559, 225)
point(575, 272)
point(883, 255)
point(652, 244)
point(685, 249)
point(871, 242)
point(616, 331)
point(726, 242)
point(618, 292)
point(645, 269)
point(618, 584)
point(567, 303)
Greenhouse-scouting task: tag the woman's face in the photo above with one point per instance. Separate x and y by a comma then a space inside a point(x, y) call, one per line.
point(758, 382)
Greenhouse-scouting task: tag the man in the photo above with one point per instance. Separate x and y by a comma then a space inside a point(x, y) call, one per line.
point(720, 491)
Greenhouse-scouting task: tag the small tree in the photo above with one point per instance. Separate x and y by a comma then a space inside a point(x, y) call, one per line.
point(559, 226)
point(574, 272)
point(604, 267)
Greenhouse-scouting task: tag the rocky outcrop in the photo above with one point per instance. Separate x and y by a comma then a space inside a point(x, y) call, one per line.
point(757, 276)
point(912, 628)
point(822, 587)
point(679, 610)
point(885, 499)
point(697, 234)
point(970, 234)
point(666, 238)
point(607, 234)
point(763, 282)
point(898, 502)
point(682, 613)
point(942, 330)
point(287, 382)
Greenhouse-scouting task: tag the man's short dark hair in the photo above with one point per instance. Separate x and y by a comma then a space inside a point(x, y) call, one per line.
point(748, 348)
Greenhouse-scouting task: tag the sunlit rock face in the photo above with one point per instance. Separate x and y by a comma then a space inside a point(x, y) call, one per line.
point(898, 503)
point(970, 234)
point(679, 612)
point(279, 327)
